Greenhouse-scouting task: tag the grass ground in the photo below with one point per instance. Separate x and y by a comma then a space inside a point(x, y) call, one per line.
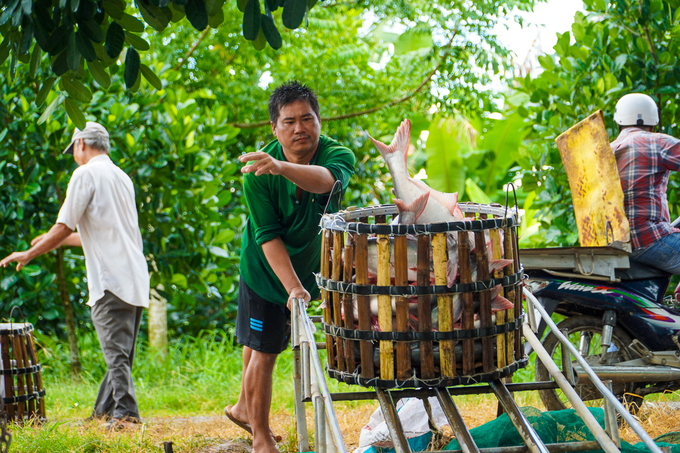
point(181, 399)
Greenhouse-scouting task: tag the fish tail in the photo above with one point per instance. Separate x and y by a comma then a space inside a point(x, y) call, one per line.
point(399, 143)
point(414, 209)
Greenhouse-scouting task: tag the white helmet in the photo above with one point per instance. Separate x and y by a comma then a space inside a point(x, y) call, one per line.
point(636, 109)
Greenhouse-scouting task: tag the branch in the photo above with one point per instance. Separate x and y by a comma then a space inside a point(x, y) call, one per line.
point(391, 103)
point(193, 48)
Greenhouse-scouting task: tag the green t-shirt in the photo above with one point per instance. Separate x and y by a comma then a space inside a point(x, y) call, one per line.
point(276, 212)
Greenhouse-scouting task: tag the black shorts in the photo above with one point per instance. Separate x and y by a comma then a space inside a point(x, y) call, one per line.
point(261, 325)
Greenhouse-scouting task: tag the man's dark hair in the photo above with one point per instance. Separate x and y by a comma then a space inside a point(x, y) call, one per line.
point(289, 93)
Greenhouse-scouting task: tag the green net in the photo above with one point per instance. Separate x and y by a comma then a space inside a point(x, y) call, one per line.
point(553, 427)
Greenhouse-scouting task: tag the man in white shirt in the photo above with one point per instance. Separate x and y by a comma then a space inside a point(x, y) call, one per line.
point(100, 201)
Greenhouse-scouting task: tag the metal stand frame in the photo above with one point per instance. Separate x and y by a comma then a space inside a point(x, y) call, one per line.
point(310, 386)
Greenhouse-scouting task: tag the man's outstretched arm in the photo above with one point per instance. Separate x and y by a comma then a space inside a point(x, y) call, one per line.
point(50, 241)
point(310, 178)
point(279, 260)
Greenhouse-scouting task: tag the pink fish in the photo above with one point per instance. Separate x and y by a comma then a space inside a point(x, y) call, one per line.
point(405, 187)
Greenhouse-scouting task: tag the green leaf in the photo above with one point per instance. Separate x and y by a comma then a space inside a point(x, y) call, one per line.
point(217, 19)
point(44, 91)
point(412, 40)
point(92, 30)
point(153, 16)
point(32, 270)
point(99, 74)
point(74, 112)
point(132, 63)
point(475, 193)
point(60, 66)
point(271, 33)
point(251, 20)
point(35, 60)
point(131, 23)
point(115, 39)
point(27, 6)
point(152, 78)
point(8, 281)
point(197, 14)
point(179, 280)
point(445, 166)
point(85, 47)
point(242, 5)
point(113, 10)
point(136, 41)
point(72, 54)
point(294, 13)
point(261, 42)
point(217, 251)
point(76, 90)
point(26, 37)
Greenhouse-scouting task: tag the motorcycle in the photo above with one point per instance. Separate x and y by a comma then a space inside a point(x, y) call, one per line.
point(625, 329)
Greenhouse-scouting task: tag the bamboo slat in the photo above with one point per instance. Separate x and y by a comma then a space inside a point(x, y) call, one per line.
point(385, 308)
point(484, 301)
point(500, 315)
point(424, 308)
point(21, 388)
point(510, 292)
point(363, 305)
point(327, 311)
point(8, 378)
point(468, 317)
point(30, 388)
point(401, 279)
point(447, 352)
point(350, 362)
point(38, 377)
point(337, 308)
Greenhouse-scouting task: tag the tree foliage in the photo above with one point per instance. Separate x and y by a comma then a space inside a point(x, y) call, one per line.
point(179, 134)
point(614, 48)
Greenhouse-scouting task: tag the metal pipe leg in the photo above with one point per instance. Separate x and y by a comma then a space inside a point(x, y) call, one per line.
point(524, 428)
point(320, 437)
point(567, 368)
point(460, 430)
point(610, 423)
point(392, 420)
point(298, 371)
point(578, 405)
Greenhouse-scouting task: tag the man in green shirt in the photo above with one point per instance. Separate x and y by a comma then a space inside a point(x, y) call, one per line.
point(287, 186)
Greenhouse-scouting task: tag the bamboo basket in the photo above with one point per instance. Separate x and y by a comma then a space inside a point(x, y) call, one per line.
point(22, 388)
point(394, 351)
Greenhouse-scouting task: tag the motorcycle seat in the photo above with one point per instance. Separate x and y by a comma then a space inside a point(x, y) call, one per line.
point(640, 271)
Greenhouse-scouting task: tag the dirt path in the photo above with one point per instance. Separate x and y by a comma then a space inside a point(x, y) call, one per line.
point(218, 435)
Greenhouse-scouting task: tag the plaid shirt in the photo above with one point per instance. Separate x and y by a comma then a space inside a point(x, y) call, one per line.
point(645, 160)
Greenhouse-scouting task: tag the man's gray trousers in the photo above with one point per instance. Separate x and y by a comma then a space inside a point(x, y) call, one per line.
point(117, 325)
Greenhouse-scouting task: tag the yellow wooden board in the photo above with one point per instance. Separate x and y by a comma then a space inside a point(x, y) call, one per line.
point(595, 185)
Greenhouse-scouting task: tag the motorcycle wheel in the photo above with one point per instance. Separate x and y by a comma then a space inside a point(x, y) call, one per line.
point(585, 333)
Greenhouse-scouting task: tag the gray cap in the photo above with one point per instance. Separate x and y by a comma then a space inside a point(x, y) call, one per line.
point(92, 130)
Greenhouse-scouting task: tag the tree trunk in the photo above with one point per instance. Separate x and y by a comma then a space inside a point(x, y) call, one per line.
point(158, 322)
point(74, 353)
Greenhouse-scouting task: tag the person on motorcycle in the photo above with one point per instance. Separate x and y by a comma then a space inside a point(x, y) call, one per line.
point(645, 160)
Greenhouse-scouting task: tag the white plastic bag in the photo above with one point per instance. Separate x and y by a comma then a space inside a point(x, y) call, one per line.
point(413, 417)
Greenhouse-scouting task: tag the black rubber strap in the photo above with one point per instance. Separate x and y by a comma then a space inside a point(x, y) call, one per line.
point(17, 330)
point(24, 398)
point(430, 228)
point(16, 371)
point(368, 290)
point(354, 379)
point(372, 335)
